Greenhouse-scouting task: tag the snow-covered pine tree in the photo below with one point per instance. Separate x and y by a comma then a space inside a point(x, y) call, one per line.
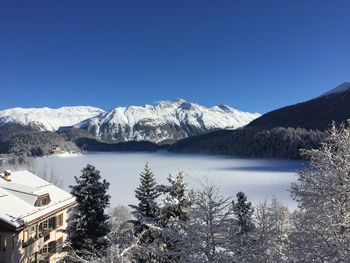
point(242, 232)
point(243, 211)
point(88, 224)
point(176, 201)
point(146, 214)
point(176, 204)
point(323, 195)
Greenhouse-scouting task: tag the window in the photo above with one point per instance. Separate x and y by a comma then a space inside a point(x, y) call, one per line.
point(32, 231)
point(49, 248)
point(59, 220)
point(49, 224)
point(43, 200)
point(29, 233)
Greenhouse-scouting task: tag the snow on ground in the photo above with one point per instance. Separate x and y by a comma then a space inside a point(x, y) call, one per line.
point(66, 155)
point(259, 179)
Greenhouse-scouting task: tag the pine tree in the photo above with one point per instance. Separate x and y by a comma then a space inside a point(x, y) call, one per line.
point(244, 213)
point(146, 214)
point(242, 231)
point(176, 202)
point(88, 224)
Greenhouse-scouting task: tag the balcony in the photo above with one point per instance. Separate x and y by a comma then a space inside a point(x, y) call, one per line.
point(29, 241)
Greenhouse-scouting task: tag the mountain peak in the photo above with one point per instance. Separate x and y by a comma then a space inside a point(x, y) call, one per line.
point(163, 122)
point(177, 101)
point(339, 89)
point(224, 107)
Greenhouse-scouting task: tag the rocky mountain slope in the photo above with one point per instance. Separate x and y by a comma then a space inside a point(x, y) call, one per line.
point(167, 121)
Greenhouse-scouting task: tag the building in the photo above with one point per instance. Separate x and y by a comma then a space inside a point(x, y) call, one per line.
point(33, 214)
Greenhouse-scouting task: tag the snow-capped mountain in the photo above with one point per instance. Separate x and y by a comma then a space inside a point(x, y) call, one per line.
point(47, 119)
point(164, 122)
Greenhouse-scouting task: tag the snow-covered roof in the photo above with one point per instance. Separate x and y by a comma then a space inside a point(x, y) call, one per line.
point(18, 197)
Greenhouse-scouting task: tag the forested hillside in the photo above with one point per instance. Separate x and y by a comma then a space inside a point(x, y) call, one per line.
point(317, 113)
point(253, 142)
point(26, 141)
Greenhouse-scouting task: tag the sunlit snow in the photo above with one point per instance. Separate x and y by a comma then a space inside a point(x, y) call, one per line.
point(259, 179)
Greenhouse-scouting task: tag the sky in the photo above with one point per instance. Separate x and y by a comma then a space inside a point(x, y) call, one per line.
point(252, 55)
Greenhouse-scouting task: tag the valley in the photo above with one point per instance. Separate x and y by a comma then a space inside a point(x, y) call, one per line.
point(258, 178)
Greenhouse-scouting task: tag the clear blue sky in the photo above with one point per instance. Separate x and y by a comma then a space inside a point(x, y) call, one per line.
point(252, 55)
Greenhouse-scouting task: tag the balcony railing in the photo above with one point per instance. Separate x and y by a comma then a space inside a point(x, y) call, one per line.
point(29, 241)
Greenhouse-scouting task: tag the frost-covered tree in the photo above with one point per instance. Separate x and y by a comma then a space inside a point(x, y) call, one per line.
point(121, 234)
point(88, 223)
point(272, 220)
point(176, 200)
point(176, 204)
point(243, 211)
point(242, 234)
point(147, 210)
point(208, 227)
point(323, 195)
point(146, 214)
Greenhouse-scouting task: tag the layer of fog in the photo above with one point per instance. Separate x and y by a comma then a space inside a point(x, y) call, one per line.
point(259, 179)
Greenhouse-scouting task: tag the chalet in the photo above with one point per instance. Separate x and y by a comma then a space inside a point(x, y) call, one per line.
point(33, 214)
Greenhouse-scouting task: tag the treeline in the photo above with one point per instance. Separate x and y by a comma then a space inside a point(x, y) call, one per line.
point(87, 142)
point(280, 142)
point(253, 142)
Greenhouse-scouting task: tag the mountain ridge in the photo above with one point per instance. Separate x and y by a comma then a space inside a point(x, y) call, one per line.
point(48, 119)
point(315, 114)
point(163, 122)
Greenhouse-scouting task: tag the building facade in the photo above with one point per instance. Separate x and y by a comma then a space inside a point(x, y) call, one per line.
point(33, 215)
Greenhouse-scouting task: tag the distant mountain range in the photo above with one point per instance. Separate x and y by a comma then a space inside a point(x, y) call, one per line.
point(165, 122)
point(178, 126)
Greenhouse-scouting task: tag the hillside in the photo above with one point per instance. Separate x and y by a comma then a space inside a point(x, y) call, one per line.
point(314, 114)
point(280, 133)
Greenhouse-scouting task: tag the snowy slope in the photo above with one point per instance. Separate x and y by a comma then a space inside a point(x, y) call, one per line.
point(339, 89)
point(165, 121)
point(48, 119)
